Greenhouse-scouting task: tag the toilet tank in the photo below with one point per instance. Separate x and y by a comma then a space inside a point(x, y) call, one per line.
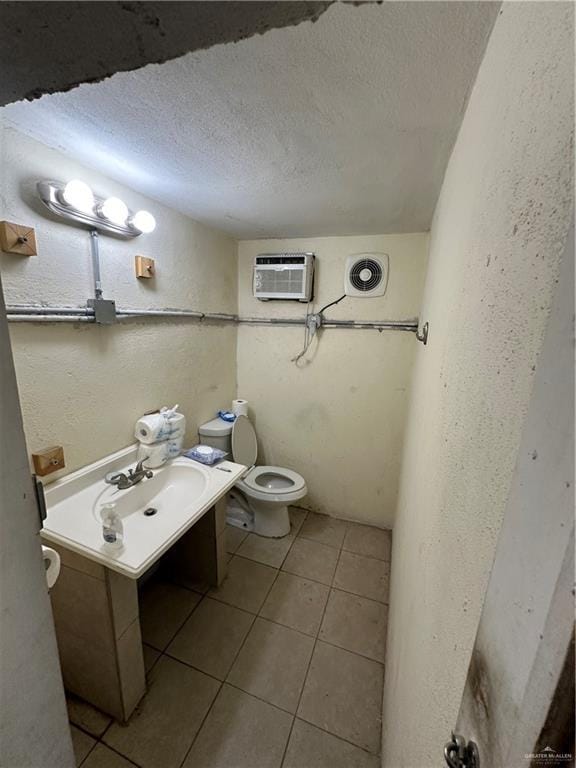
point(216, 433)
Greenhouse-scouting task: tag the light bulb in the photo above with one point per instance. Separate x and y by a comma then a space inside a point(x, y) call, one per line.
point(78, 195)
point(144, 222)
point(115, 210)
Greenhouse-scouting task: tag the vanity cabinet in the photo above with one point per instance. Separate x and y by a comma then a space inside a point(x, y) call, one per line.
point(96, 614)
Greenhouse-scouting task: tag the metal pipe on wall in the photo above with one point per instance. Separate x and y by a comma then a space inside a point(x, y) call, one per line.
point(27, 309)
point(50, 318)
point(32, 313)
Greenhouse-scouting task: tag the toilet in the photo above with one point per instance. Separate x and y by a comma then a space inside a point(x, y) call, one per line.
point(259, 501)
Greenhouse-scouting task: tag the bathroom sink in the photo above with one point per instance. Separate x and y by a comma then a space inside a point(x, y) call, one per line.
point(155, 512)
point(172, 488)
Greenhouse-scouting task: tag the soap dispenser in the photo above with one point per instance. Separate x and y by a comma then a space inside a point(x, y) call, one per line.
point(112, 528)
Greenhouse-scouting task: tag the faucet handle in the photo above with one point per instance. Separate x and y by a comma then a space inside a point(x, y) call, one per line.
point(140, 464)
point(112, 477)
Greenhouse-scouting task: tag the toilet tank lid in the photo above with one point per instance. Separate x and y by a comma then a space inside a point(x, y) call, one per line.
point(215, 428)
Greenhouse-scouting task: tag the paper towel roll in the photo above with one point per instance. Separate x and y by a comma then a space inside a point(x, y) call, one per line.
point(51, 564)
point(240, 407)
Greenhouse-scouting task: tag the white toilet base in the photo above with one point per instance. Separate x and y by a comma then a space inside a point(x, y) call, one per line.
point(269, 519)
point(240, 519)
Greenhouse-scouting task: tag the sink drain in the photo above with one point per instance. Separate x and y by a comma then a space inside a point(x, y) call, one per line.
point(150, 511)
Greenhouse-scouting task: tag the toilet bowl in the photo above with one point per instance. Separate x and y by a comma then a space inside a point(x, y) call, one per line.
point(261, 497)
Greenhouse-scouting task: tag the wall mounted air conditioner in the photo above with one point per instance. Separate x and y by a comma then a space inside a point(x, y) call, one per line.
point(283, 276)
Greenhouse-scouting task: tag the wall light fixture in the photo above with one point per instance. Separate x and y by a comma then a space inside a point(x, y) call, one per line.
point(76, 201)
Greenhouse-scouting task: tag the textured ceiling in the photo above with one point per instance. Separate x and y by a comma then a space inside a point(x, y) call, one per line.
point(53, 46)
point(342, 126)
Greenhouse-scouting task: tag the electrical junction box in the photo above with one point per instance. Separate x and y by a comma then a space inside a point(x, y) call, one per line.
point(104, 311)
point(284, 276)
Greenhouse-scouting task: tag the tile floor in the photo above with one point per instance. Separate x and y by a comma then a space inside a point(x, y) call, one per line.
point(281, 667)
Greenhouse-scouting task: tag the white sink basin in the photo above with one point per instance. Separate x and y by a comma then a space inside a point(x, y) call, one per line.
point(180, 493)
point(174, 487)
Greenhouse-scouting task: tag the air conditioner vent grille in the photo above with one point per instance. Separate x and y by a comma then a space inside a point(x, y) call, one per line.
point(283, 276)
point(286, 281)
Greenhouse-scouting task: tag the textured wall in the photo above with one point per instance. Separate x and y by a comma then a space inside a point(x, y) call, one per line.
point(34, 727)
point(496, 240)
point(516, 663)
point(84, 386)
point(338, 417)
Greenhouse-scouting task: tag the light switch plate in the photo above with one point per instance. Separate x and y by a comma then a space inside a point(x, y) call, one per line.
point(48, 460)
point(17, 238)
point(144, 266)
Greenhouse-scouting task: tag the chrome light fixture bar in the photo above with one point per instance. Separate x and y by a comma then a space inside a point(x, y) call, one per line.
point(75, 201)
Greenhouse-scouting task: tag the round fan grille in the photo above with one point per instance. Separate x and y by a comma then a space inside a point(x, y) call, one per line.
point(366, 274)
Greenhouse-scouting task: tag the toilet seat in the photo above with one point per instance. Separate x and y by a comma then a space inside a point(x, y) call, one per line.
point(267, 483)
point(264, 484)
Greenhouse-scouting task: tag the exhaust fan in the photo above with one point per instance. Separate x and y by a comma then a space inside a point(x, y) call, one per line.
point(366, 275)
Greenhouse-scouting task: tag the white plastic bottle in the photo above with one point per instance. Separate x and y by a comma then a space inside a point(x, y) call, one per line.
point(112, 528)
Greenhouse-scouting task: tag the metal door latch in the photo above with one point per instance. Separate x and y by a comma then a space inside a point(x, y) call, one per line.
point(459, 754)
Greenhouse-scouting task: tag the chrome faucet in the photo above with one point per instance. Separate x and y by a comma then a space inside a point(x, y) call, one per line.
point(134, 476)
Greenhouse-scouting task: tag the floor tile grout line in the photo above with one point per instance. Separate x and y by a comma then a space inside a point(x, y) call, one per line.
point(305, 577)
point(354, 653)
point(86, 731)
point(342, 545)
point(338, 736)
point(202, 724)
point(184, 622)
point(357, 594)
point(310, 662)
point(231, 685)
point(222, 683)
point(112, 749)
point(162, 652)
point(255, 616)
point(344, 549)
point(319, 640)
point(87, 755)
point(261, 562)
point(140, 602)
point(308, 578)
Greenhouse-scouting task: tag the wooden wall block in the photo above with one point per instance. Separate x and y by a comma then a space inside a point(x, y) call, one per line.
point(48, 460)
point(17, 238)
point(144, 266)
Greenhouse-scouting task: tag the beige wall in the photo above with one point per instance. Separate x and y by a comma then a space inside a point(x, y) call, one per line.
point(496, 241)
point(338, 417)
point(83, 387)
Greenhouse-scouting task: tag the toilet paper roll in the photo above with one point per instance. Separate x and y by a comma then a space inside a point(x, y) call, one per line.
point(51, 564)
point(156, 427)
point(154, 456)
point(240, 407)
point(149, 428)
